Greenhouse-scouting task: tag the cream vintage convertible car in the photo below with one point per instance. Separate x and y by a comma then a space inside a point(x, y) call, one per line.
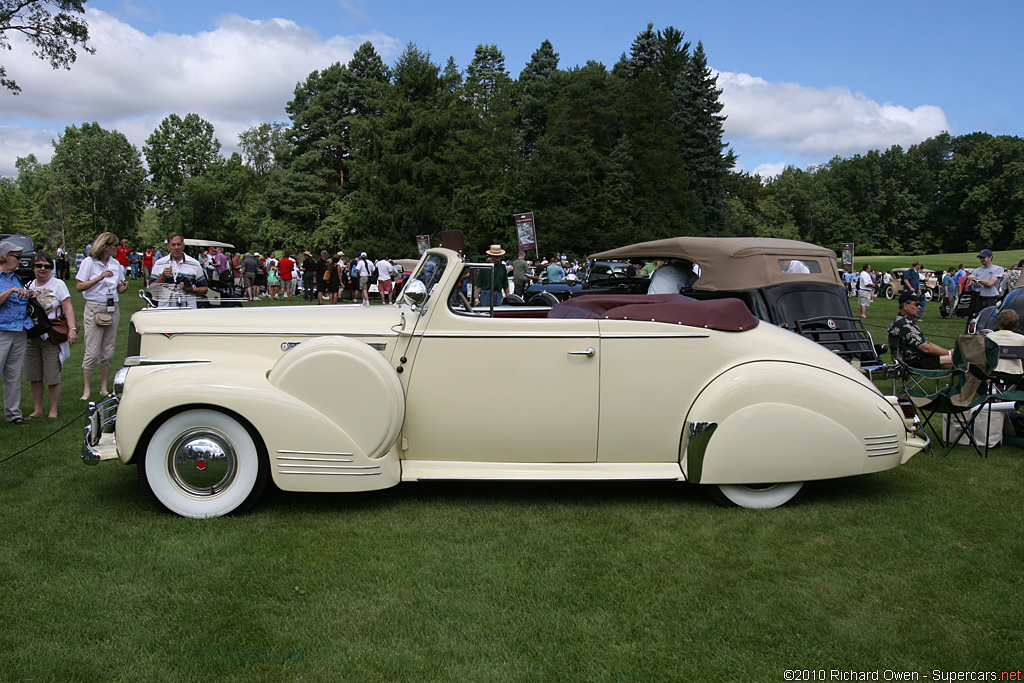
point(210, 405)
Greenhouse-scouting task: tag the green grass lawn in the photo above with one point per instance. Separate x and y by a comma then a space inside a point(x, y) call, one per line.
point(919, 568)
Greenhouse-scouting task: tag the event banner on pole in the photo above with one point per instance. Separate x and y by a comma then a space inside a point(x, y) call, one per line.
point(525, 231)
point(422, 243)
point(848, 257)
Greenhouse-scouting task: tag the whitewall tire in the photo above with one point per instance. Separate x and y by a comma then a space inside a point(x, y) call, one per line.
point(203, 463)
point(757, 496)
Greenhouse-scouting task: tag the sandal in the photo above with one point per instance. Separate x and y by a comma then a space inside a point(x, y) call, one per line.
point(18, 421)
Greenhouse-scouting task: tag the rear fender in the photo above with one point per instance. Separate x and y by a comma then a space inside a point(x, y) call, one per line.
point(771, 422)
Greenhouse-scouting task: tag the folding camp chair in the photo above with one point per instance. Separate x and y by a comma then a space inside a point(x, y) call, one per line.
point(974, 390)
point(973, 360)
point(916, 380)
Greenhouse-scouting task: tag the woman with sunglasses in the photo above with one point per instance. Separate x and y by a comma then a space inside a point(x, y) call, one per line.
point(42, 356)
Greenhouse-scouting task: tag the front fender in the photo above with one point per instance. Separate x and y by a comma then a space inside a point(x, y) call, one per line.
point(771, 422)
point(326, 412)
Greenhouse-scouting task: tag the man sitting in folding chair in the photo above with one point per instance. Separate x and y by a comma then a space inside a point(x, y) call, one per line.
point(915, 350)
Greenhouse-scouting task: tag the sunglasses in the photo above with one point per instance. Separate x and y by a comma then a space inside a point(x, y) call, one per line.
point(44, 266)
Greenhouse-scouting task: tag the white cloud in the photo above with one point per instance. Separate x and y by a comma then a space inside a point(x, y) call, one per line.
point(235, 76)
point(769, 170)
point(817, 124)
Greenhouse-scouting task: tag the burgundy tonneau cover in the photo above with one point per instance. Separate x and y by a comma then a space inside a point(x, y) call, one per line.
point(729, 315)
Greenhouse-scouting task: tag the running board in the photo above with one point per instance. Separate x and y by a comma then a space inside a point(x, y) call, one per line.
point(426, 470)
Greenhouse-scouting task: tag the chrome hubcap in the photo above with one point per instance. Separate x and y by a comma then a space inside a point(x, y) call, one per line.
point(202, 462)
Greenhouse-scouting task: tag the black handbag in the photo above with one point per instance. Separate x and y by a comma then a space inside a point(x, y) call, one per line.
point(42, 321)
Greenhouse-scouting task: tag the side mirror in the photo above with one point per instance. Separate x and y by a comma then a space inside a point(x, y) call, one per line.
point(416, 291)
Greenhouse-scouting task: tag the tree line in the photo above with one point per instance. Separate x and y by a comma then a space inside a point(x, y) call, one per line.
point(373, 156)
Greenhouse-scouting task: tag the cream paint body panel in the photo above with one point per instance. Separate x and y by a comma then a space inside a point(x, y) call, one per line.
point(784, 421)
point(309, 444)
point(471, 375)
point(639, 422)
point(424, 470)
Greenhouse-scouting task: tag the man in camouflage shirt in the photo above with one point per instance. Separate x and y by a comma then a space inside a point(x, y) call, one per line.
point(915, 350)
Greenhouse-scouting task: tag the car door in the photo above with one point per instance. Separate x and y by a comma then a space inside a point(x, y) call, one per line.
point(485, 389)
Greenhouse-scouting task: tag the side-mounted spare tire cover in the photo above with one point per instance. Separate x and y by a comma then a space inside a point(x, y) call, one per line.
point(349, 382)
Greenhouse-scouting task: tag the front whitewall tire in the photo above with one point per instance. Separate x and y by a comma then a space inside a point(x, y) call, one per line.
point(203, 463)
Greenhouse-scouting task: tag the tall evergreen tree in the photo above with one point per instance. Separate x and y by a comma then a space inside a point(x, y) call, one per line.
point(484, 156)
point(535, 81)
point(697, 114)
point(405, 183)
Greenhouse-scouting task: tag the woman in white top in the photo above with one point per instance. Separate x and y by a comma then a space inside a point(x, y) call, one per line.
point(42, 356)
point(101, 281)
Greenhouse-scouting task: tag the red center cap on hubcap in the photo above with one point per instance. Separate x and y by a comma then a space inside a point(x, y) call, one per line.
point(200, 465)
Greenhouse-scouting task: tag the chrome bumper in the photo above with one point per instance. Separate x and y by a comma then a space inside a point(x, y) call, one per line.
point(98, 442)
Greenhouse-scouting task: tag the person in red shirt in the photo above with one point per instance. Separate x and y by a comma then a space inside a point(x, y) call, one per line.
point(147, 264)
point(286, 267)
point(122, 254)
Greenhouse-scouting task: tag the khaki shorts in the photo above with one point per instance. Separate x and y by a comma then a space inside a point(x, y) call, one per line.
point(42, 362)
point(864, 297)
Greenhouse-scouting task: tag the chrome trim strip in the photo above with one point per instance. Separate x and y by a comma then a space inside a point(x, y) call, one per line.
point(315, 460)
point(346, 474)
point(883, 436)
point(290, 452)
point(336, 467)
point(511, 335)
point(681, 335)
point(136, 361)
point(698, 436)
point(566, 335)
point(311, 335)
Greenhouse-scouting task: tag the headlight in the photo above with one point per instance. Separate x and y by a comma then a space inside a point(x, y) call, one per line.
point(119, 378)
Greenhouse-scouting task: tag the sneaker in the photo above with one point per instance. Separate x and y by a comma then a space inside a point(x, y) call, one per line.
point(365, 302)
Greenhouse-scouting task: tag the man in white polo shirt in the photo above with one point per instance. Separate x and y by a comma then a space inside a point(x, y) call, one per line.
point(385, 273)
point(865, 289)
point(177, 278)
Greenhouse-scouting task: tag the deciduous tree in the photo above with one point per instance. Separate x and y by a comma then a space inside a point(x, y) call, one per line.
point(54, 35)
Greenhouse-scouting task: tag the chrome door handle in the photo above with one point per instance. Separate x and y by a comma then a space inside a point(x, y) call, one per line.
point(589, 353)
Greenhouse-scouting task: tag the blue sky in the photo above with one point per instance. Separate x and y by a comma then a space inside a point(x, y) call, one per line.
point(802, 81)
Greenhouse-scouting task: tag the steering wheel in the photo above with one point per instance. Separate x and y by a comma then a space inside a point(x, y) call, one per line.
point(618, 274)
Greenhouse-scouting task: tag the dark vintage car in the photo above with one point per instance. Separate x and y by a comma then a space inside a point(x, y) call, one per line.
point(792, 284)
point(28, 255)
point(592, 275)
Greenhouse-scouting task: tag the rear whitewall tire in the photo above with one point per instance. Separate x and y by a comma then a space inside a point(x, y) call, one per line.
point(757, 496)
point(203, 463)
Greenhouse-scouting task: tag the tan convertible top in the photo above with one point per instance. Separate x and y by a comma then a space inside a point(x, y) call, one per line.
point(737, 263)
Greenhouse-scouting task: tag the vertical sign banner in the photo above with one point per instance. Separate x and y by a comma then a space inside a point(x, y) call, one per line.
point(848, 257)
point(525, 231)
point(422, 243)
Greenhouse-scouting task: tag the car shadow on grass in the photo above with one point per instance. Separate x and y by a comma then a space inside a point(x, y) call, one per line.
point(505, 493)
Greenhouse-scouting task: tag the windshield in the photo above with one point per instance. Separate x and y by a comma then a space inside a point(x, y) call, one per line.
point(427, 274)
point(22, 241)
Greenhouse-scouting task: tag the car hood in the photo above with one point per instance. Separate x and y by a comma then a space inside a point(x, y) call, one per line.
point(281, 320)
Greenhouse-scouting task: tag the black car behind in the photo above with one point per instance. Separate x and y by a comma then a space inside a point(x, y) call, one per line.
point(28, 255)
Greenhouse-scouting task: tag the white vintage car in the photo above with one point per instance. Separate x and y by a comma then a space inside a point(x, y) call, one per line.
point(210, 404)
